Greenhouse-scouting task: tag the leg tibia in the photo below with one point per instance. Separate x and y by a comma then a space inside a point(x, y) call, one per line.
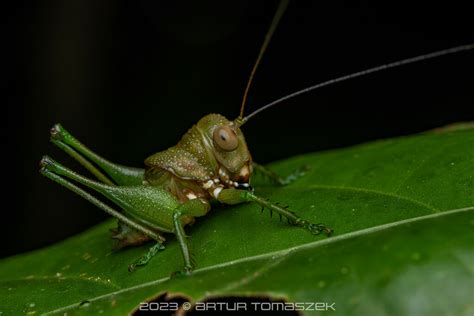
point(122, 175)
point(234, 196)
point(83, 161)
point(181, 236)
point(194, 208)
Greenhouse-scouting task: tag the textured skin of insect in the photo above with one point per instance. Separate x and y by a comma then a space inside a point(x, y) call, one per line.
point(210, 162)
point(198, 166)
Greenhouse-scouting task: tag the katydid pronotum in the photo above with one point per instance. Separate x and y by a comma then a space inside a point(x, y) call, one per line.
point(210, 162)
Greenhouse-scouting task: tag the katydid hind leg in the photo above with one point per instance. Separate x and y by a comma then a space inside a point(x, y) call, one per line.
point(87, 196)
point(151, 205)
point(128, 227)
point(83, 161)
point(124, 234)
point(121, 175)
point(236, 196)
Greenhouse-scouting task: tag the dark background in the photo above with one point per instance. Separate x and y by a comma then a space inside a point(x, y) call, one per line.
point(128, 78)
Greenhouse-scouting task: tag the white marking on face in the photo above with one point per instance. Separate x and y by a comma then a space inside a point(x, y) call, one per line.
point(217, 191)
point(191, 196)
point(208, 184)
point(221, 172)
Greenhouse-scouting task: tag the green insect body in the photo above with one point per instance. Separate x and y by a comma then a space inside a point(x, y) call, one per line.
point(210, 162)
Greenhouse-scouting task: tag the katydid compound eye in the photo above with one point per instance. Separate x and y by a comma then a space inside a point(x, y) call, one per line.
point(225, 138)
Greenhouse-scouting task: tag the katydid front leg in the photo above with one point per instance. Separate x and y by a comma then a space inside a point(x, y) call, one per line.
point(236, 196)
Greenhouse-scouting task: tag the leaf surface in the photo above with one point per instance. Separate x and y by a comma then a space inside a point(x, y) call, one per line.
point(403, 214)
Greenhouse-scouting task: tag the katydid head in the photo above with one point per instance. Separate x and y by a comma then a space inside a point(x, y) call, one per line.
point(213, 152)
point(227, 143)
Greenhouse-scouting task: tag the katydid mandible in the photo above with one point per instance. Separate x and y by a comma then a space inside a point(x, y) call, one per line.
point(210, 162)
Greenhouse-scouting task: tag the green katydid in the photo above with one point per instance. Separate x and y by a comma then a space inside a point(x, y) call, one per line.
point(210, 162)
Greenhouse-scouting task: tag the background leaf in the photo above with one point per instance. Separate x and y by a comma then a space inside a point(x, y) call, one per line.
point(403, 215)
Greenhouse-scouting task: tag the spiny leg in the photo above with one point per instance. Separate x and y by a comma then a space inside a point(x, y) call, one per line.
point(194, 208)
point(277, 179)
point(235, 196)
point(122, 175)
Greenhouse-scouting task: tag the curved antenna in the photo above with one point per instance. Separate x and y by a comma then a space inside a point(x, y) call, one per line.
point(279, 13)
point(359, 74)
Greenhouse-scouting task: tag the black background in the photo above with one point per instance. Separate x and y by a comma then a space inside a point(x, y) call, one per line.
point(128, 78)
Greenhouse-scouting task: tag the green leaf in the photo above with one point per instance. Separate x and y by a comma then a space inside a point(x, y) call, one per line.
point(403, 214)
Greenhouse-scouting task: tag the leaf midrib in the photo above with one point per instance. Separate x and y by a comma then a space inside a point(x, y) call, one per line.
point(280, 253)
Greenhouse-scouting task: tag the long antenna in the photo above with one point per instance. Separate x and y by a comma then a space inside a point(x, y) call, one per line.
point(279, 13)
point(361, 73)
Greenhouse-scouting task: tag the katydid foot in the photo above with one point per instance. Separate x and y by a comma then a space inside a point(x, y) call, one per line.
point(147, 257)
